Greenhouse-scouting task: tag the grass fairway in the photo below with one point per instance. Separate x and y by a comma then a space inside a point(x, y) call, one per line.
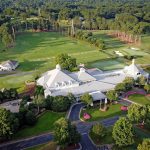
point(96, 114)
point(140, 99)
point(114, 44)
point(45, 123)
point(36, 52)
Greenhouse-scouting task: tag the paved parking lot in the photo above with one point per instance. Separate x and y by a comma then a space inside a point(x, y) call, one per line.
point(13, 106)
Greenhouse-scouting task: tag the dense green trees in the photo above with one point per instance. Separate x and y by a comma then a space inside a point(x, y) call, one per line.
point(139, 114)
point(130, 17)
point(145, 145)
point(112, 95)
point(8, 124)
point(88, 36)
point(123, 132)
point(65, 133)
point(66, 62)
point(60, 103)
point(8, 94)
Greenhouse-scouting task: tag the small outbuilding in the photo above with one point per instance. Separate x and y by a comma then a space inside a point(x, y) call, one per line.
point(9, 65)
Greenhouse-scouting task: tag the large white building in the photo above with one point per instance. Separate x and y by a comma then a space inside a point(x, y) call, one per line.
point(93, 81)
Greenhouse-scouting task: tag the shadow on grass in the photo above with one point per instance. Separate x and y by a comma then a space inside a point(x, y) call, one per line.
point(30, 65)
point(107, 62)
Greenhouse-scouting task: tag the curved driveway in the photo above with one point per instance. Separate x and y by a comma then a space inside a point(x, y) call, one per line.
point(75, 112)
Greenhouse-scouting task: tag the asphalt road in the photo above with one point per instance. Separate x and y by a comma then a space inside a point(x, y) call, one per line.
point(86, 143)
point(25, 143)
point(75, 112)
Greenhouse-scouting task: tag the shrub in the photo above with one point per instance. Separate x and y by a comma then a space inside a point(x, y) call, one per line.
point(98, 130)
point(60, 103)
point(30, 118)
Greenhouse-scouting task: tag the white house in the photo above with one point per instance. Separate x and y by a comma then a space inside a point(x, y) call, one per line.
point(9, 65)
point(93, 81)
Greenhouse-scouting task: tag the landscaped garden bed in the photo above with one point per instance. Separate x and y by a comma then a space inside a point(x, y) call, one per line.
point(96, 114)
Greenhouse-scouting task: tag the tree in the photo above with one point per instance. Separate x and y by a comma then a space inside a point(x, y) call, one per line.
point(137, 113)
point(123, 132)
point(112, 95)
point(71, 97)
point(129, 81)
point(147, 87)
point(66, 62)
point(48, 102)
point(98, 131)
point(141, 80)
point(120, 87)
point(60, 103)
point(65, 133)
point(39, 96)
point(1, 96)
point(87, 99)
point(39, 90)
point(13, 93)
point(39, 101)
point(8, 123)
point(145, 145)
point(30, 118)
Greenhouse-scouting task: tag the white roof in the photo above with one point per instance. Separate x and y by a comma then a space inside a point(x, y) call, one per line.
point(85, 76)
point(133, 70)
point(97, 95)
point(53, 77)
point(85, 88)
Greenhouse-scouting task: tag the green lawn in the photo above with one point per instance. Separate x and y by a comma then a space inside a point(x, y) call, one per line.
point(108, 64)
point(45, 123)
point(36, 52)
point(96, 114)
point(113, 44)
point(141, 99)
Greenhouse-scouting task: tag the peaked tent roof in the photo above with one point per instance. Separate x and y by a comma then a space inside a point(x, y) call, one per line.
point(133, 69)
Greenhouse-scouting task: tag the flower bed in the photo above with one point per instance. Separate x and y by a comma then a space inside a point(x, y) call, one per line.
point(86, 116)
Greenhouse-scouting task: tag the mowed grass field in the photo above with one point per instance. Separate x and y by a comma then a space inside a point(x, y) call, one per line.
point(142, 53)
point(36, 54)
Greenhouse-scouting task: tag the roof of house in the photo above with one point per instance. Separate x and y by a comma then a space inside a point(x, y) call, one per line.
point(132, 69)
point(84, 88)
point(55, 76)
